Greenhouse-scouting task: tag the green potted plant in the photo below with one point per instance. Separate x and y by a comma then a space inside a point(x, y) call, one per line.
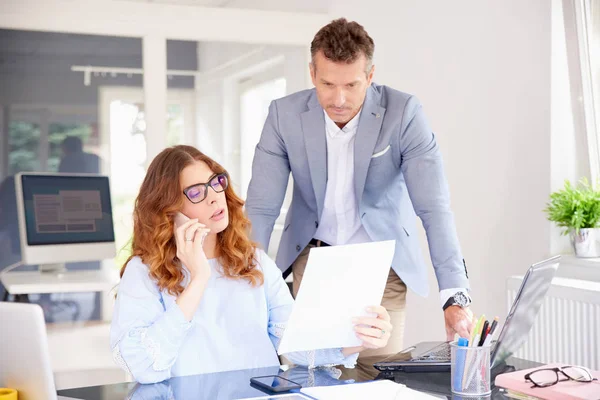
point(576, 209)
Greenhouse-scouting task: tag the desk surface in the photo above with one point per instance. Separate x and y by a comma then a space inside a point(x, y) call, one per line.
point(236, 384)
point(63, 282)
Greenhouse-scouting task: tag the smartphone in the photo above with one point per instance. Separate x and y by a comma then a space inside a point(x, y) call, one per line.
point(180, 219)
point(274, 383)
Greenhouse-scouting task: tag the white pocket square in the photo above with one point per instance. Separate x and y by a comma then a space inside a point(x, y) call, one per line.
point(382, 152)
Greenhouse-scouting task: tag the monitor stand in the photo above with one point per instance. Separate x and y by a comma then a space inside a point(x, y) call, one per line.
point(53, 268)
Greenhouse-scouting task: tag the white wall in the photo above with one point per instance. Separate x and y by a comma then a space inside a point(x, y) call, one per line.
point(303, 6)
point(482, 72)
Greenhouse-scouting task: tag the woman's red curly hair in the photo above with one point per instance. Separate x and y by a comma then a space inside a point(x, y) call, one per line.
point(160, 198)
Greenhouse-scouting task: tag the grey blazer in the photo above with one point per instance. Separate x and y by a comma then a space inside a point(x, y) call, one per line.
point(398, 173)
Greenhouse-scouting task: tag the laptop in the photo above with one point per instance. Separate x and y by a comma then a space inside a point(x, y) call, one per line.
point(435, 356)
point(25, 358)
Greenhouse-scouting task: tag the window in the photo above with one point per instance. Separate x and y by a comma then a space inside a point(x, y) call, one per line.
point(254, 108)
point(582, 30)
point(124, 129)
point(23, 146)
point(593, 34)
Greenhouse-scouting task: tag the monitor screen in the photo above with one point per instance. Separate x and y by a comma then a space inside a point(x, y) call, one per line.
point(62, 209)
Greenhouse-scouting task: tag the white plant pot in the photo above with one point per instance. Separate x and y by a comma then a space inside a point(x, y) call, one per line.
point(586, 243)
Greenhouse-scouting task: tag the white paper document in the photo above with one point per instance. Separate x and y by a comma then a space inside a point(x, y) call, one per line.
point(339, 283)
point(380, 390)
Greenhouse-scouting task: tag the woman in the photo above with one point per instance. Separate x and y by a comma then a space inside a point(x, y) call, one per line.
point(198, 296)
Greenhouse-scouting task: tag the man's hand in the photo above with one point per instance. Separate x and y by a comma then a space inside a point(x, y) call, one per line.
point(458, 321)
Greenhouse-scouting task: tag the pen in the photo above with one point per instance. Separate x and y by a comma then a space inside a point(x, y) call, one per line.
point(477, 331)
point(488, 339)
point(494, 324)
point(472, 334)
point(484, 332)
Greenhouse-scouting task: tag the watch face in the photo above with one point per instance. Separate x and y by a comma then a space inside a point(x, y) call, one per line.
point(461, 299)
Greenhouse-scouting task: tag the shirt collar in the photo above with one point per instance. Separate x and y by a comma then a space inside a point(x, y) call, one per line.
point(335, 130)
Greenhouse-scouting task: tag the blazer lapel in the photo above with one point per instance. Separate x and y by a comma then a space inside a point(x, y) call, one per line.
point(369, 126)
point(313, 127)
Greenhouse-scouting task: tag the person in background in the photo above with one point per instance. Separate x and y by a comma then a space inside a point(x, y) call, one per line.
point(75, 159)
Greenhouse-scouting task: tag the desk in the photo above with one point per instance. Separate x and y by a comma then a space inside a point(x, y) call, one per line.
point(236, 384)
point(20, 284)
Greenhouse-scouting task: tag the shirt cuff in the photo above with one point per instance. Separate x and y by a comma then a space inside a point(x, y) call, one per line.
point(177, 323)
point(445, 294)
point(350, 361)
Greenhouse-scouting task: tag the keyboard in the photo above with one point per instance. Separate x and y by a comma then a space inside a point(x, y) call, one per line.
point(442, 353)
point(438, 353)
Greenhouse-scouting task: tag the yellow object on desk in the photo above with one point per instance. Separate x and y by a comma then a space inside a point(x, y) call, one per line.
point(8, 394)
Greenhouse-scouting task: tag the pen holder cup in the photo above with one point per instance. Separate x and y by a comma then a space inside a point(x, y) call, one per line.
point(470, 368)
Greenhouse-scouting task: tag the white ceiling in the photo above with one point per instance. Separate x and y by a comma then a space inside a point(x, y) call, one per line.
point(199, 3)
point(307, 6)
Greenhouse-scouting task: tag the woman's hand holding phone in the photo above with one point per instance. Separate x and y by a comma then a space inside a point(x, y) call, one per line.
point(189, 238)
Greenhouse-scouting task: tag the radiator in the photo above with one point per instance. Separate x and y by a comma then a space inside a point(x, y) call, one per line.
point(567, 328)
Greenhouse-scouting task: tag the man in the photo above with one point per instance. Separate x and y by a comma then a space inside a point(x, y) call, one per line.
point(364, 161)
point(75, 159)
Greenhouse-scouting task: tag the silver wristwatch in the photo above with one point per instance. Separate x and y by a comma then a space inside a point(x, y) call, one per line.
point(460, 299)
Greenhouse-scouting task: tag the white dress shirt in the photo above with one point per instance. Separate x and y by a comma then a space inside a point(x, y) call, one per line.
point(340, 222)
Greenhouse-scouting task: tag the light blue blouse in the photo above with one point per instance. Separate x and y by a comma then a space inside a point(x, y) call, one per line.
point(236, 326)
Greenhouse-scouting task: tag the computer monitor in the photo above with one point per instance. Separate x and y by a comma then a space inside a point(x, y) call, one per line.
point(64, 218)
